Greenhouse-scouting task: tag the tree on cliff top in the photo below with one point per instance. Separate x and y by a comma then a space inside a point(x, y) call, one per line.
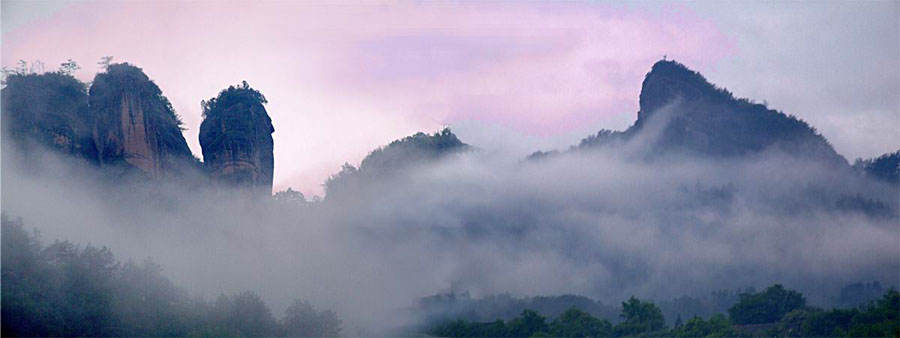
point(118, 77)
point(50, 109)
point(233, 95)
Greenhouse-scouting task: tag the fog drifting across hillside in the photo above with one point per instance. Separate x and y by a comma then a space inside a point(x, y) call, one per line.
point(606, 223)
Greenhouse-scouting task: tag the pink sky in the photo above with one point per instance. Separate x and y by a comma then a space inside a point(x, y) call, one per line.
point(342, 80)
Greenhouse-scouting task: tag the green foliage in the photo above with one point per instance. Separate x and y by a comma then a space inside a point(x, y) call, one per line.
point(62, 289)
point(463, 328)
point(885, 167)
point(24, 68)
point(687, 307)
point(302, 320)
point(571, 323)
point(639, 317)
point(104, 62)
point(856, 294)
point(577, 323)
point(717, 326)
point(602, 138)
point(118, 78)
point(67, 290)
point(767, 306)
point(69, 67)
point(878, 319)
point(290, 197)
point(401, 154)
point(443, 307)
point(417, 147)
point(245, 313)
point(240, 94)
point(527, 324)
point(50, 110)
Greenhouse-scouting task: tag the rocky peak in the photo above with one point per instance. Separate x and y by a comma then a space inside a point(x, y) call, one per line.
point(48, 110)
point(135, 125)
point(236, 137)
point(699, 118)
point(669, 80)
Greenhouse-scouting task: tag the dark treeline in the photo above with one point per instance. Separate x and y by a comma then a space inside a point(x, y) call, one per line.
point(63, 289)
point(775, 311)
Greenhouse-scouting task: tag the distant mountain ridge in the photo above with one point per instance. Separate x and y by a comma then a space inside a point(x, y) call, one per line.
point(124, 120)
point(397, 156)
point(695, 117)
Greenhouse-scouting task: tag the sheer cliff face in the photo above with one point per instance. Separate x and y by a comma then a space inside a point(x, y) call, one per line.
point(48, 110)
point(236, 137)
point(134, 124)
point(697, 117)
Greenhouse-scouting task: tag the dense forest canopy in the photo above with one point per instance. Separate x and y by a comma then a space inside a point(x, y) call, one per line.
point(641, 318)
point(64, 289)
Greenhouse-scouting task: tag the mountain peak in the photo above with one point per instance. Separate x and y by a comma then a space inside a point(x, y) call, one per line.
point(701, 118)
point(669, 80)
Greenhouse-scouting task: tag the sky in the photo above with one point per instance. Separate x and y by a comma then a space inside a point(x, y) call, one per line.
point(343, 79)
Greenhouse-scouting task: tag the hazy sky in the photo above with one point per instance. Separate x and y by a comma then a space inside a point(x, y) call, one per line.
point(343, 79)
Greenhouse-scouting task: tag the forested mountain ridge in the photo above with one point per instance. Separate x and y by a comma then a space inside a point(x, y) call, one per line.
point(395, 157)
point(885, 167)
point(681, 112)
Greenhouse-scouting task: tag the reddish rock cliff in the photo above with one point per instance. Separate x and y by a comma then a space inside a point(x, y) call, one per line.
point(135, 125)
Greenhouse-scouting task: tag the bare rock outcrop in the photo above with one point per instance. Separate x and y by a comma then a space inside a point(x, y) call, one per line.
point(135, 125)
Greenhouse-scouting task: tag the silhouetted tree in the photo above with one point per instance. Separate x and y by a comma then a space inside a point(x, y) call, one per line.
point(302, 320)
point(767, 306)
point(69, 67)
point(639, 317)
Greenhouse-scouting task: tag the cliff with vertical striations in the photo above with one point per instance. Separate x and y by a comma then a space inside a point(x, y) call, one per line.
point(135, 125)
point(236, 137)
